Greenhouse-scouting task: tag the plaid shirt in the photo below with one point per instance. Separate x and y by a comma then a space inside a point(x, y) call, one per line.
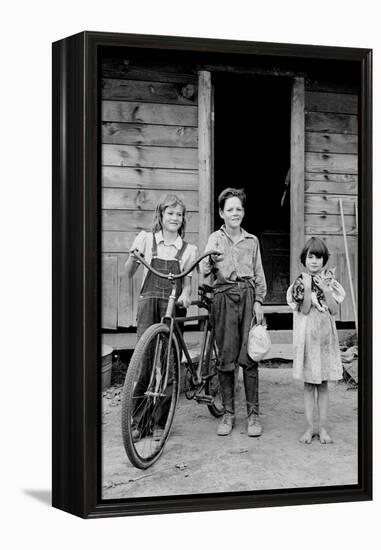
point(241, 260)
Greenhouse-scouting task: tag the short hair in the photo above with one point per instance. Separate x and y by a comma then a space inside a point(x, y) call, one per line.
point(231, 192)
point(317, 247)
point(166, 202)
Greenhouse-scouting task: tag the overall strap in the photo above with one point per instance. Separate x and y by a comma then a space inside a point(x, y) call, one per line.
point(180, 252)
point(154, 245)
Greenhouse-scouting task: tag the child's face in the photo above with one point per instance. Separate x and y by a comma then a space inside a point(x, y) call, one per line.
point(172, 218)
point(313, 263)
point(232, 213)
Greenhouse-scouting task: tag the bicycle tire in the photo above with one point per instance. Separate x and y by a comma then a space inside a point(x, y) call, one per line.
point(144, 450)
point(212, 386)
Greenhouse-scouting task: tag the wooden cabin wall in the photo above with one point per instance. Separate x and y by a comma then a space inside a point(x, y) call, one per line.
point(149, 148)
point(331, 173)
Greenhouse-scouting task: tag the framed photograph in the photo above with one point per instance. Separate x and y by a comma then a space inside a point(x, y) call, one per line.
point(212, 277)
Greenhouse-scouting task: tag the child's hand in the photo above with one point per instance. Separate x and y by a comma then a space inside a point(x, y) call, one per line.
point(258, 313)
point(217, 257)
point(184, 299)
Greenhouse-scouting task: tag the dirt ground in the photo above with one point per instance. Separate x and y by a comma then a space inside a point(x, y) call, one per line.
point(196, 460)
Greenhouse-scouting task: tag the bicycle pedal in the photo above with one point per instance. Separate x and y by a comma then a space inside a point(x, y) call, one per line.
point(203, 398)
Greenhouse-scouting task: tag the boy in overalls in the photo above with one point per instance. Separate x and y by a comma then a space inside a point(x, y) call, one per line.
point(239, 286)
point(166, 251)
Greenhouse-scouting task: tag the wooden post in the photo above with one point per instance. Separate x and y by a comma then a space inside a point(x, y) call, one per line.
point(205, 172)
point(297, 175)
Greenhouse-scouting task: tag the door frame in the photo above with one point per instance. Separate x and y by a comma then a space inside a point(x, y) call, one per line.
point(297, 164)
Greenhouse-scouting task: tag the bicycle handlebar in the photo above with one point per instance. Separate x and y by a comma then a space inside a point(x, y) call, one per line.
point(170, 276)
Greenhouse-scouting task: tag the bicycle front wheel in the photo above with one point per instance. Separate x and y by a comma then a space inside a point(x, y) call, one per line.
point(150, 394)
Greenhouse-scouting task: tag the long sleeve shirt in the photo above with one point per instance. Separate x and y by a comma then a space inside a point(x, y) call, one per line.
point(241, 260)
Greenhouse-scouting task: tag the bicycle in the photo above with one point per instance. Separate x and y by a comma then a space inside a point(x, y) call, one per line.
point(149, 398)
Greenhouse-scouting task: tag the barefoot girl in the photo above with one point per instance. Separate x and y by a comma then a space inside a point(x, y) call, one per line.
point(166, 251)
point(314, 297)
point(239, 290)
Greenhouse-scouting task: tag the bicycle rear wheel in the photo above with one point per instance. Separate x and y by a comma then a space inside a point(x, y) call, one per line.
point(212, 385)
point(149, 396)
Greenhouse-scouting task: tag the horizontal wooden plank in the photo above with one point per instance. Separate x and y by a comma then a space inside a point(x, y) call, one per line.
point(329, 204)
point(149, 134)
point(153, 157)
point(138, 220)
point(331, 102)
point(149, 91)
point(143, 199)
point(152, 178)
point(121, 241)
point(335, 243)
point(330, 122)
point(341, 87)
point(331, 187)
point(329, 224)
point(133, 69)
point(331, 162)
point(331, 178)
point(149, 113)
point(323, 142)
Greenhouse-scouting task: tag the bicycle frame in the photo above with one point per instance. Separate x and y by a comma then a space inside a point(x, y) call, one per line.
point(173, 324)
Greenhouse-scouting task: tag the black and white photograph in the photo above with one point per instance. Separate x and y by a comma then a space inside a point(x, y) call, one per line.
point(229, 272)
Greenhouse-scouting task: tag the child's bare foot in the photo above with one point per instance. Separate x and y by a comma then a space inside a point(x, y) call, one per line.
point(324, 436)
point(306, 437)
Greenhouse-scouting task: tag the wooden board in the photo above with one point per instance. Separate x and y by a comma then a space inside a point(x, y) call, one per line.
point(334, 178)
point(149, 134)
point(135, 221)
point(331, 162)
point(205, 189)
point(331, 102)
point(297, 169)
point(149, 91)
point(329, 224)
point(152, 157)
point(130, 67)
point(329, 204)
point(143, 199)
point(329, 86)
point(342, 275)
point(331, 143)
point(149, 113)
point(326, 186)
point(331, 122)
point(336, 188)
point(109, 291)
point(129, 290)
point(149, 178)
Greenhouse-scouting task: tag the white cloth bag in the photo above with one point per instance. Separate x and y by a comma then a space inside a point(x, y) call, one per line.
point(259, 342)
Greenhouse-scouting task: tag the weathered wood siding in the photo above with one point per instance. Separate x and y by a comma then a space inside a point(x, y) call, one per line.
point(331, 171)
point(149, 148)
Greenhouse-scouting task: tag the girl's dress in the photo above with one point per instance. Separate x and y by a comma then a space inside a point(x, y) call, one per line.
point(316, 344)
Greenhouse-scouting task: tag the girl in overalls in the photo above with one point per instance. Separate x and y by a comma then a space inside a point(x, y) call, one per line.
point(166, 251)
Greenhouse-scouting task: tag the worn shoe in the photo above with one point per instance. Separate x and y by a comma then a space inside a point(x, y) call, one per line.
point(254, 427)
point(157, 433)
point(226, 425)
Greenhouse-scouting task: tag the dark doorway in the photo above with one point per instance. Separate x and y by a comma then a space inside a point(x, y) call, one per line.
point(252, 150)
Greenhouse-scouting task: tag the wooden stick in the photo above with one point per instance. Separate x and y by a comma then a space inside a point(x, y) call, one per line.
point(348, 262)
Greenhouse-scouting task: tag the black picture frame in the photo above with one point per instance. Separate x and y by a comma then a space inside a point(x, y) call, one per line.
point(76, 277)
